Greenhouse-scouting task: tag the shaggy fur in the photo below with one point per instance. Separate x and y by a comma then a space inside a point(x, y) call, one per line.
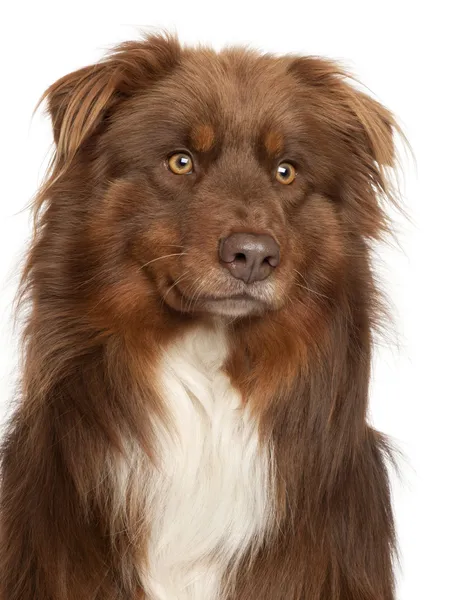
point(182, 434)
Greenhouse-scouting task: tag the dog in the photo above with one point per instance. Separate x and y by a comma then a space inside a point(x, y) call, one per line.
point(192, 422)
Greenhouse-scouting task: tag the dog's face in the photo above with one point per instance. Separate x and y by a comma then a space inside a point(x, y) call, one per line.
point(230, 183)
point(222, 150)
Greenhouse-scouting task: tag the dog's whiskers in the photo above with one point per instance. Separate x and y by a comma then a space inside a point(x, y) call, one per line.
point(198, 286)
point(162, 257)
point(181, 278)
point(307, 288)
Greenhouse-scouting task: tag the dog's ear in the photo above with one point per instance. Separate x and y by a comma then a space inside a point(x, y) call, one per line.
point(365, 118)
point(362, 132)
point(78, 102)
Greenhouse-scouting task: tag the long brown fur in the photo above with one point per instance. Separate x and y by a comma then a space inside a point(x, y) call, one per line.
point(96, 287)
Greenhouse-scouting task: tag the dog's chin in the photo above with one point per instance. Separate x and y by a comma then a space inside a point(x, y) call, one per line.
point(234, 306)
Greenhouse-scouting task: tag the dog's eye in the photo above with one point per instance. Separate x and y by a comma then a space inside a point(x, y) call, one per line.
point(286, 173)
point(180, 163)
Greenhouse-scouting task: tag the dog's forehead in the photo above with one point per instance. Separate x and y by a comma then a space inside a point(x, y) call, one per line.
point(234, 93)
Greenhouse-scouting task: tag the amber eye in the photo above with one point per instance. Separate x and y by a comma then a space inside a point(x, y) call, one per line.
point(286, 173)
point(180, 163)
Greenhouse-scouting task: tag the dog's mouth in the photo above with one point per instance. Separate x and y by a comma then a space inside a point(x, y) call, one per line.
point(247, 302)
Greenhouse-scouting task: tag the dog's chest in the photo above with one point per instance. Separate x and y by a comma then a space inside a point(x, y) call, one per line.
point(213, 502)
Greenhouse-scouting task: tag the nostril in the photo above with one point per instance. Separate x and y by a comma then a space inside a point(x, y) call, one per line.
point(273, 261)
point(240, 257)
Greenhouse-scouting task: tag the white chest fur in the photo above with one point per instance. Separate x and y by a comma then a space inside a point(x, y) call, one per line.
point(213, 491)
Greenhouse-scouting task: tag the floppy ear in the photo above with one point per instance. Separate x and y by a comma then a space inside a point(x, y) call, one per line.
point(78, 102)
point(366, 116)
point(364, 132)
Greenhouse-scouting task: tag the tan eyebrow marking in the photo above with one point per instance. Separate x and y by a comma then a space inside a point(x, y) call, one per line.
point(273, 142)
point(203, 137)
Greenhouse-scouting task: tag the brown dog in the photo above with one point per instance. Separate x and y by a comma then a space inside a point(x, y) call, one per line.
point(192, 423)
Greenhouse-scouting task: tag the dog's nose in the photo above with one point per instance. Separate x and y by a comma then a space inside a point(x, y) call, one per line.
point(248, 256)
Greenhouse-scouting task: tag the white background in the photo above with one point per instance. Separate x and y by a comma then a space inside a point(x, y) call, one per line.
point(401, 50)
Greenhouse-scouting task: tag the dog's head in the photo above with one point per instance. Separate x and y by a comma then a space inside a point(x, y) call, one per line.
point(231, 183)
